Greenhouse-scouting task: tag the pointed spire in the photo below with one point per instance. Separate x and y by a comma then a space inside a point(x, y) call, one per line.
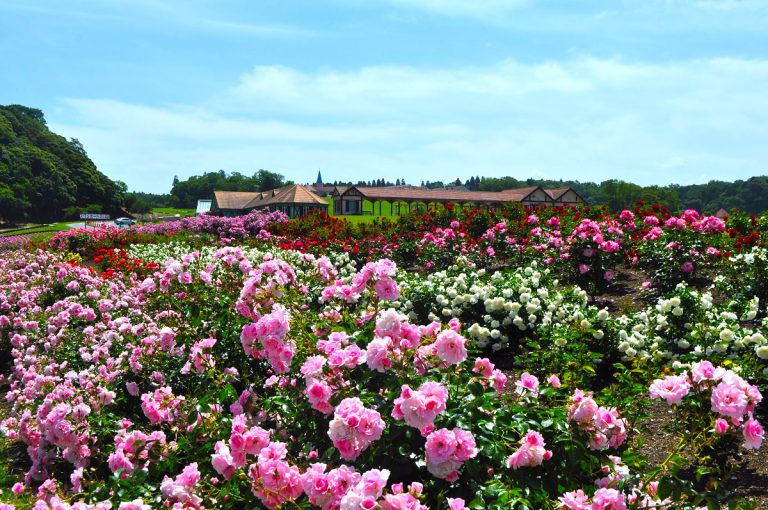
point(319, 178)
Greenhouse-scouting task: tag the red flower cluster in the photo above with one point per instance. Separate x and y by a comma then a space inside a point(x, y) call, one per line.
point(114, 261)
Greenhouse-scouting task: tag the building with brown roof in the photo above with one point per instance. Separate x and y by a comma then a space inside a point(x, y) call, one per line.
point(322, 190)
point(350, 200)
point(294, 200)
point(722, 214)
point(565, 196)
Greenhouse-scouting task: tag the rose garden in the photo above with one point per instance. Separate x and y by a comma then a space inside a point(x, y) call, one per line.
point(449, 360)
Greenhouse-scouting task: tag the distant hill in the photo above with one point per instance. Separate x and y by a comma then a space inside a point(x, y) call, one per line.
point(44, 176)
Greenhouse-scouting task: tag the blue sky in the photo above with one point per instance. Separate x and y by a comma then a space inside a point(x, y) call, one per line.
point(649, 91)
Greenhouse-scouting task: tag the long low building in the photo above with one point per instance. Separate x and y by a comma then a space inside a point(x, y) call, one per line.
point(350, 199)
point(294, 200)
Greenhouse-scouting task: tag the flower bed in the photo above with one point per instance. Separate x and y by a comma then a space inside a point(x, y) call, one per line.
point(167, 373)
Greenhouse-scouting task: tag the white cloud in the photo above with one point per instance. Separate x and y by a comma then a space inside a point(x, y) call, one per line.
point(250, 29)
point(199, 126)
point(584, 119)
point(474, 8)
point(732, 5)
point(158, 14)
point(386, 90)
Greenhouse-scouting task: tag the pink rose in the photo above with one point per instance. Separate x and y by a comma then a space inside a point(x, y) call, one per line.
point(554, 381)
point(729, 400)
point(527, 384)
point(456, 504)
point(450, 347)
point(575, 500)
point(753, 434)
point(672, 388)
point(721, 426)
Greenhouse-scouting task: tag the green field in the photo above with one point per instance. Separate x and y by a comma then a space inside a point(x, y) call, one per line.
point(54, 227)
point(171, 211)
point(386, 212)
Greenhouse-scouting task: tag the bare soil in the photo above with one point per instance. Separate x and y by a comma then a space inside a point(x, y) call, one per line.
point(750, 478)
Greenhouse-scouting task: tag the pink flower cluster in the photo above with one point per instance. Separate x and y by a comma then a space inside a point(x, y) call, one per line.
point(419, 408)
point(381, 273)
point(243, 441)
point(354, 427)
point(441, 237)
point(603, 425)
point(424, 346)
point(598, 233)
point(273, 480)
point(250, 224)
point(265, 284)
point(532, 451)
point(730, 397)
point(265, 338)
point(161, 406)
point(325, 489)
point(175, 270)
point(603, 499)
point(135, 449)
point(484, 367)
point(67, 428)
point(527, 385)
point(344, 488)
point(400, 500)
point(200, 356)
point(451, 347)
point(181, 489)
point(394, 336)
point(323, 373)
point(365, 493)
point(446, 450)
point(319, 394)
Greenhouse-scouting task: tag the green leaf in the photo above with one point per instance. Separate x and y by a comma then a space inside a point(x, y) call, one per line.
point(477, 503)
point(665, 488)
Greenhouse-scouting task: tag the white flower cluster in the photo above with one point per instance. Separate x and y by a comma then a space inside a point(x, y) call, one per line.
point(746, 275)
point(493, 307)
point(162, 252)
point(756, 256)
point(689, 323)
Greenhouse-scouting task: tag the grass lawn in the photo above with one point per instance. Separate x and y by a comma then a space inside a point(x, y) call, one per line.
point(11, 469)
point(367, 207)
point(55, 227)
point(171, 211)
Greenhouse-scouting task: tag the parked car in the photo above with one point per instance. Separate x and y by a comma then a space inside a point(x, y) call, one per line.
point(124, 221)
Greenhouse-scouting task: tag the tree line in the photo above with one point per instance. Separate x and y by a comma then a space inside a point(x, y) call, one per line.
point(750, 195)
point(374, 183)
point(185, 194)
